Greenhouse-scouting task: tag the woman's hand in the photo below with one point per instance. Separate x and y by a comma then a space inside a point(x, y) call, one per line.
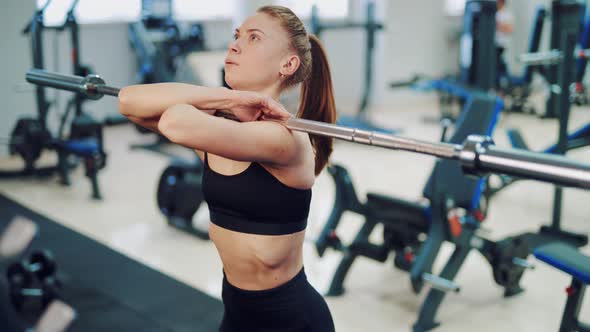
point(252, 106)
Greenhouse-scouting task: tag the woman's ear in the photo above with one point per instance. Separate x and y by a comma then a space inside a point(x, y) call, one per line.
point(290, 65)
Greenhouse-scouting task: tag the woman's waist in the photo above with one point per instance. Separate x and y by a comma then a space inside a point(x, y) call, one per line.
point(258, 261)
point(255, 279)
point(283, 289)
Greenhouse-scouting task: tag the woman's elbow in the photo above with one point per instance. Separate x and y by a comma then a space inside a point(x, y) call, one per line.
point(169, 125)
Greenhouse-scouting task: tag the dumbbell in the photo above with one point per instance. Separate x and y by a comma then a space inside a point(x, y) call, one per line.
point(21, 280)
point(41, 263)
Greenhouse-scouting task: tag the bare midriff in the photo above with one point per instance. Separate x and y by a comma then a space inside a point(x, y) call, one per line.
point(258, 262)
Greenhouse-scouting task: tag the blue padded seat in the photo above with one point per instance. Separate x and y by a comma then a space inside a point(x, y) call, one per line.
point(86, 147)
point(565, 258)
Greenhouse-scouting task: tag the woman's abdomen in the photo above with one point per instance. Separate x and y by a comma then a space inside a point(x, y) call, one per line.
point(257, 262)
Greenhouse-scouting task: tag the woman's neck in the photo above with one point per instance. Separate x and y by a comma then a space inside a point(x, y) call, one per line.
point(272, 91)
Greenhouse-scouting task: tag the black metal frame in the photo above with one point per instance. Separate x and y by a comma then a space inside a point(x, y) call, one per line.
point(570, 321)
point(86, 140)
point(478, 69)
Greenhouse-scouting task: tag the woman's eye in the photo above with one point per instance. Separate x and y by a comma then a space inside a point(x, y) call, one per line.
point(253, 37)
point(235, 36)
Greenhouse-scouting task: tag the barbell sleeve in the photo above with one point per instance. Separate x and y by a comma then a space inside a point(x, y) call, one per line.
point(481, 156)
point(92, 86)
point(477, 154)
point(55, 80)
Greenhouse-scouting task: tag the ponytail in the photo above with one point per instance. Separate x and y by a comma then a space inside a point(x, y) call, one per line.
point(317, 101)
point(317, 95)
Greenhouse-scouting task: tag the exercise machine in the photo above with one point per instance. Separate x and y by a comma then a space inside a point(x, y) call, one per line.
point(560, 73)
point(160, 47)
point(31, 136)
point(576, 264)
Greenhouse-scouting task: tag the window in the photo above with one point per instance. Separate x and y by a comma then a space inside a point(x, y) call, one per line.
point(198, 10)
point(454, 7)
point(92, 11)
point(329, 9)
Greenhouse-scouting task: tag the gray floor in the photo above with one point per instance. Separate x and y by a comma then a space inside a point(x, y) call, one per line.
point(378, 297)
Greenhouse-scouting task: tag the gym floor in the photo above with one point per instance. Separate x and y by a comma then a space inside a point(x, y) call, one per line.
point(378, 297)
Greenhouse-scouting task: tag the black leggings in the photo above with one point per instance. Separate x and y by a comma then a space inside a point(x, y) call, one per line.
point(292, 307)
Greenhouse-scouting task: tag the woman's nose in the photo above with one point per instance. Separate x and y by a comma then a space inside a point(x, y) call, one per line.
point(234, 47)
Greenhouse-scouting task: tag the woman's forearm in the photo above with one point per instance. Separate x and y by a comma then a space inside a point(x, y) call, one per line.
point(151, 100)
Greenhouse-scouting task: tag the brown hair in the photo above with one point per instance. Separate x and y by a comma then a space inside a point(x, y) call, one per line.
point(317, 94)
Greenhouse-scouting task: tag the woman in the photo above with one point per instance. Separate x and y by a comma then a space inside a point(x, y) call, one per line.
point(258, 174)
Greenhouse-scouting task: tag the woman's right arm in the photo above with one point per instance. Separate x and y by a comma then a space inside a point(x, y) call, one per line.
point(145, 103)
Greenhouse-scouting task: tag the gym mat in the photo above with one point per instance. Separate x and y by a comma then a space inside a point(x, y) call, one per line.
point(109, 291)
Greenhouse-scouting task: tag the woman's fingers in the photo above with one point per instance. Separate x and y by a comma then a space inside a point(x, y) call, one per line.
point(282, 117)
point(275, 109)
point(278, 117)
point(257, 103)
point(270, 118)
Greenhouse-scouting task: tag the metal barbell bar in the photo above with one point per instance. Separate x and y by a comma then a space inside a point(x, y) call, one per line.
point(478, 155)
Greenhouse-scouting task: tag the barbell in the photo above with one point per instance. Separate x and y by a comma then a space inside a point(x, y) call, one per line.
point(477, 155)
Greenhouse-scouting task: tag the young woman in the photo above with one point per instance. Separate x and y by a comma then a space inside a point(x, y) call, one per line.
point(258, 174)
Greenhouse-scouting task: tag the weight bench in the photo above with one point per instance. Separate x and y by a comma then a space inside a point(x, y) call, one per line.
point(571, 261)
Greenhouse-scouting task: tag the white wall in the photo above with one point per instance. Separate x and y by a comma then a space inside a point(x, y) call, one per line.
point(419, 40)
point(15, 61)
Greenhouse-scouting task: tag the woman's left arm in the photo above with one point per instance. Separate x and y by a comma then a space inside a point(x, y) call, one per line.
point(259, 141)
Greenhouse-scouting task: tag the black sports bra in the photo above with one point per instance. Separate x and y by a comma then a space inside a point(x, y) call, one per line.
point(255, 202)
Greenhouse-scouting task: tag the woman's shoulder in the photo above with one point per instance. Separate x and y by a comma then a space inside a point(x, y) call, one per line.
point(303, 142)
point(300, 172)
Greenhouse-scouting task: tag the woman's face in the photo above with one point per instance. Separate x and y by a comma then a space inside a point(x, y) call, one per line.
point(256, 54)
